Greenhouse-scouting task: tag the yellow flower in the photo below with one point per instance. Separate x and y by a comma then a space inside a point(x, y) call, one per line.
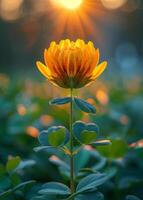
point(71, 64)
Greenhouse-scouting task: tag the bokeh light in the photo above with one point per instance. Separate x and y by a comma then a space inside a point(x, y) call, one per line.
point(21, 109)
point(26, 28)
point(76, 16)
point(10, 10)
point(70, 4)
point(113, 4)
point(32, 131)
point(102, 97)
point(127, 56)
point(46, 120)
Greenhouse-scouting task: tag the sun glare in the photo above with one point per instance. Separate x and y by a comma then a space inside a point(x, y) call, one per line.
point(76, 16)
point(70, 4)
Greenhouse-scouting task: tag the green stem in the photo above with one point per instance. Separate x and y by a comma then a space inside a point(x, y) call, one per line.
point(71, 145)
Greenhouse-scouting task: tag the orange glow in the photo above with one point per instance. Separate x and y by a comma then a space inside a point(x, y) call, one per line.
point(70, 64)
point(10, 10)
point(113, 4)
point(46, 119)
point(32, 131)
point(90, 100)
point(76, 17)
point(54, 158)
point(88, 147)
point(102, 97)
point(85, 117)
point(138, 144)
point(70, 4)
point(4, 81)
point(21, 109)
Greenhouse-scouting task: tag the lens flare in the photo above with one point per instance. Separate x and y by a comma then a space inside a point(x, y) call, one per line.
point(76, 18)
point(70, 4)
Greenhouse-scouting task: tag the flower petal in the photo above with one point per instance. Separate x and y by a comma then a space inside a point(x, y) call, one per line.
point(71, 64)
point(43, 69)
point(99, 69)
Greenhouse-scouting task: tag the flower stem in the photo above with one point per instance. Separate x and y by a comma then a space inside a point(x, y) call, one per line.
point(71, 145)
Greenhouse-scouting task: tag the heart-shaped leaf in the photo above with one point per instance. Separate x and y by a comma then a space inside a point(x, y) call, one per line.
point(54, 188)
point(88, 136)
point(54, 136)
point(60, 101)
point(57, 137)
point(84, 106)
point(85, 133)
point(117, 149)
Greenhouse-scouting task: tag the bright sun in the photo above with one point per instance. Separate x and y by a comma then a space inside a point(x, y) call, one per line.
point(70, 4)
point(75, 18)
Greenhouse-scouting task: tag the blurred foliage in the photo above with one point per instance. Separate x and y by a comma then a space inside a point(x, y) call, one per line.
point(24, 111)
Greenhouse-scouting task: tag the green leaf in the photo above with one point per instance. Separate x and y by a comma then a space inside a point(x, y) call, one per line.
point(84, 106)
point(117, 149)
point(42, 148)
point(54, 136)
point(60, 101)
point(54, 188)
point(43, 137)
point(24, 184)
point(5, 194)
point(100, 164)
point(132, 197)
point(111, 172)
point(81, 160)
point(63, 167)
point(57, 137)
point(90, 182)
point(88, 136)
point(90, 196)
point(13, 163)
point(26, 164)
point(58, 162)
point(101, 143)
point(85, 132)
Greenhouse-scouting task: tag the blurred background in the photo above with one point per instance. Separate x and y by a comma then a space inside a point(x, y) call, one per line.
point(27, 27)
point(116, 27)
